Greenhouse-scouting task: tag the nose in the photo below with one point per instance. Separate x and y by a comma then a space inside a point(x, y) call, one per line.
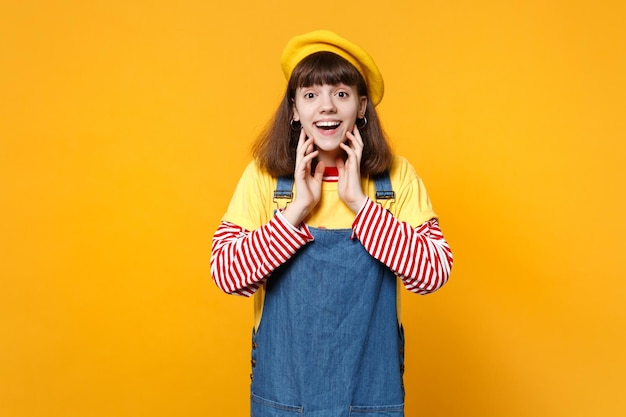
point(327, 104)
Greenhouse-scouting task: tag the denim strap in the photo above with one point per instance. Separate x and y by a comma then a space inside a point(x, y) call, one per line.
point(283, 193)
point(382, 184)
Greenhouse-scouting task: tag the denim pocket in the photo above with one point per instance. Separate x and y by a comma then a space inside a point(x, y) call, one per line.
point(260, 407)
point(377, 411)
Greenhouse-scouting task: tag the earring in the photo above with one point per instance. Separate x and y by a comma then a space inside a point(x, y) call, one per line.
point(295, 125)
point(361, 123)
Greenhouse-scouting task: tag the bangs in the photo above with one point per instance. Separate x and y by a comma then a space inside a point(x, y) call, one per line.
point(326, 68)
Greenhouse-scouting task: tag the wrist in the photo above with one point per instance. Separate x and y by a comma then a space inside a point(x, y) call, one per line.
point(294, 214)
point(358, 204)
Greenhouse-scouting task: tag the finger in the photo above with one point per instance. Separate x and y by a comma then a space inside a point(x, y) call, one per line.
point(340, 165)
point(310, 147)
point(308, 158)
point(356, 140)
point(319, 171)
point(304, 156)
point(350, 151)
point(359, 139)
point(301, 140)
point(357, 135)
point(346, 147)
point(352, 164)
point(305, 147)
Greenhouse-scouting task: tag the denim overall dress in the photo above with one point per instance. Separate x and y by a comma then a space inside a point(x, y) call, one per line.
point(329, 343)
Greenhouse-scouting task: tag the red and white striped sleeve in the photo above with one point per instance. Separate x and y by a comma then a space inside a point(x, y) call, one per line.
point(420, 256)
point(242, 260)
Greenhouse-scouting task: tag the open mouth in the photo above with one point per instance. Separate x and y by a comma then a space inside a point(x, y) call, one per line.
point(329, 125)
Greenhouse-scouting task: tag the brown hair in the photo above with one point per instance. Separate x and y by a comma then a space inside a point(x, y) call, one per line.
point(275, 148)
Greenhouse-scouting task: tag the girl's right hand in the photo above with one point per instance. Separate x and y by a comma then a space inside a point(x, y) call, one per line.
point(308, 186)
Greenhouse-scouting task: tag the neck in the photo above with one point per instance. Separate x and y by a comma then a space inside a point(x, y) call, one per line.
point(330, 158)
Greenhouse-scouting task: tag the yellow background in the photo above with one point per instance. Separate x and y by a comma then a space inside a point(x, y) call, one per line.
point(124, 126)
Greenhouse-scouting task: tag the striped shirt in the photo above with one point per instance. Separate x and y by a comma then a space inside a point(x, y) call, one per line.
point(242, 260)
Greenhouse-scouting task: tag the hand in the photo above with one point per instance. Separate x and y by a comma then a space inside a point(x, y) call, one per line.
point(308, 186)
point(349, 184)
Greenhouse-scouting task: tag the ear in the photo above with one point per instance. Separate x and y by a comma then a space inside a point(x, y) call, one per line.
point(296, 116)
point(362, 106)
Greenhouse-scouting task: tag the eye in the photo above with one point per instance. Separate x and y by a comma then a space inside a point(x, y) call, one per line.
point(309, 95)
point(342, 94)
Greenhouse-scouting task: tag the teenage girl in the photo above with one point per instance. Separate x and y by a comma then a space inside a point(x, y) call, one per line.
point(323, 226)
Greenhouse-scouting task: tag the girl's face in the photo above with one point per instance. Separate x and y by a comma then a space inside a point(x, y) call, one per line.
point(327, 113)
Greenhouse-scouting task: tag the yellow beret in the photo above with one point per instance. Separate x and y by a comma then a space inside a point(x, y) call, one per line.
point(299, 47)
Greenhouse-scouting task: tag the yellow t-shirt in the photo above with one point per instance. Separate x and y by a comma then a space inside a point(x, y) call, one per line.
point(253, 205)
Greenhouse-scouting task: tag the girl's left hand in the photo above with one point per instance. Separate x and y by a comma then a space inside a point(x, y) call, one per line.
point(349, 184)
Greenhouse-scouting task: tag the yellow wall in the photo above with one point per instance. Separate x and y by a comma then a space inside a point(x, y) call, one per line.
point(124, 126)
